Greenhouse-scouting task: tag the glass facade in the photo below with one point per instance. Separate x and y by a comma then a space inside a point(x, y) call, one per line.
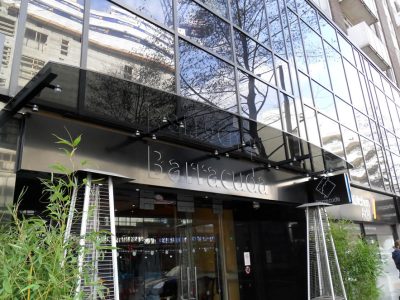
point(279, 62)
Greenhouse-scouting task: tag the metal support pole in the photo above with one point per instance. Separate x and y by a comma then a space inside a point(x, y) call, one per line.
point(113, 238)
point(326, 254)
point(83, 230)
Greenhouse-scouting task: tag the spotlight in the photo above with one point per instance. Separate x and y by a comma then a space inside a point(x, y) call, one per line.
point(216, 152)
point(164, 119)
point(227, 154)
point(269, 165)
point(256, 204)
point(35, 108)
point(276, 167)
point(153, 137)
point(243, 143)
point(57, 88)
point(137, 133)
point(181, 125)
point(254, 146)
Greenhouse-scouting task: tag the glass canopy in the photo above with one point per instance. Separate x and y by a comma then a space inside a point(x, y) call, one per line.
point(150, 113)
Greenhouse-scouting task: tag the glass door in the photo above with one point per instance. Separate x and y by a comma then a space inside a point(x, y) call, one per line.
point(200, 255)
point(166, 254)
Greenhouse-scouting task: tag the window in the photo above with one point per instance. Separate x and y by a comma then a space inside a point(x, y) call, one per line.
point(35, 39)
point(64, 47)
point(30, 66)
point(128, 72)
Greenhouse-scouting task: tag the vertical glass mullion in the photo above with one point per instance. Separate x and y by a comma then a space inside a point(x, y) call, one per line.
point(176, 47)
point(19, 37)
point(85, 34)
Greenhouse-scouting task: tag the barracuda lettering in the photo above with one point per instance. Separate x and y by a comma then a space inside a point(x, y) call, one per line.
point(160, 167)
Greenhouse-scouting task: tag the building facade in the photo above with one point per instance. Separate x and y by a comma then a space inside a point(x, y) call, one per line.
point(223, 112)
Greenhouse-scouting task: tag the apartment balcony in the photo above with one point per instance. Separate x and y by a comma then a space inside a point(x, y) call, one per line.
point(358, 11)
point(363, 36)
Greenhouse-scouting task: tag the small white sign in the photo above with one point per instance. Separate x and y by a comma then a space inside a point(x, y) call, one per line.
point(246, 256)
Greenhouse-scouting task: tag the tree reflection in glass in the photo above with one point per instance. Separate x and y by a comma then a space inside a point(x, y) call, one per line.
point(159, 10)
point(206, 78)
point(259, 101)
point(254, 57)
point(219, 6)
point(250, 16)
point(204, 28)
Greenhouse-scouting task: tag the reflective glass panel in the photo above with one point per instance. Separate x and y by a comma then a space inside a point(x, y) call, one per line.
point(219, 6)
point(305, 89)
point(159, 10)
point(374, 130)
point(323, 100)
point(364, 106)
point(328, 32)
point(372, 164)
point(9, 19)
point(259, 101)
point(282, 74)
point(396, 165)
point(392, 170)
point(124, 45)
point(346, 49)
point(297, 42)
point(206, 78)
point(376, 77)
point(362, 124)
point(358, 60)
point(275, 28)
point(345, 112)
point(53, 32)
point(308, 14)
point(330, 135)
point(386, 88)
point(354, 85)
point(396, 96)
point(380, 98)
point(395, 117)
point(254, 57)
point(336, 72)
point(312, 126)
point(286, 33)
point(291, 4)
point(392, 142)
point(354, 156)
point(288, 111)
point(250, 16)
point(382, 164)
point(385, 113)
point(315, 55)
point(204, 27)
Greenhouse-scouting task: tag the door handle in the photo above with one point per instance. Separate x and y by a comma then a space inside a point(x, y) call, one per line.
point(195, 283)
point(188, 281)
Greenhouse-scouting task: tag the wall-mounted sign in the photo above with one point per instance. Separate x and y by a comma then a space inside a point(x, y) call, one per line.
point(366, 206)
point(246, 256)
point(333, 189)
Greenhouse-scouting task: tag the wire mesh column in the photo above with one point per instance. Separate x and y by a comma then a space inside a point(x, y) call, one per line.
point(324, 278)
point(92, 222)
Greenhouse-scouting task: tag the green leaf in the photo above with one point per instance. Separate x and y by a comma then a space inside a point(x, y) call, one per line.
point(76, 141)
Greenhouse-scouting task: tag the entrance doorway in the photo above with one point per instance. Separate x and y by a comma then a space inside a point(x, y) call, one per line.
point(170, 252)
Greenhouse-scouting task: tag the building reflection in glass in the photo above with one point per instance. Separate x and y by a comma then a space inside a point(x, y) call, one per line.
point(124, 45)
point(204, 28)
point(8, 15)
point(53, 32)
